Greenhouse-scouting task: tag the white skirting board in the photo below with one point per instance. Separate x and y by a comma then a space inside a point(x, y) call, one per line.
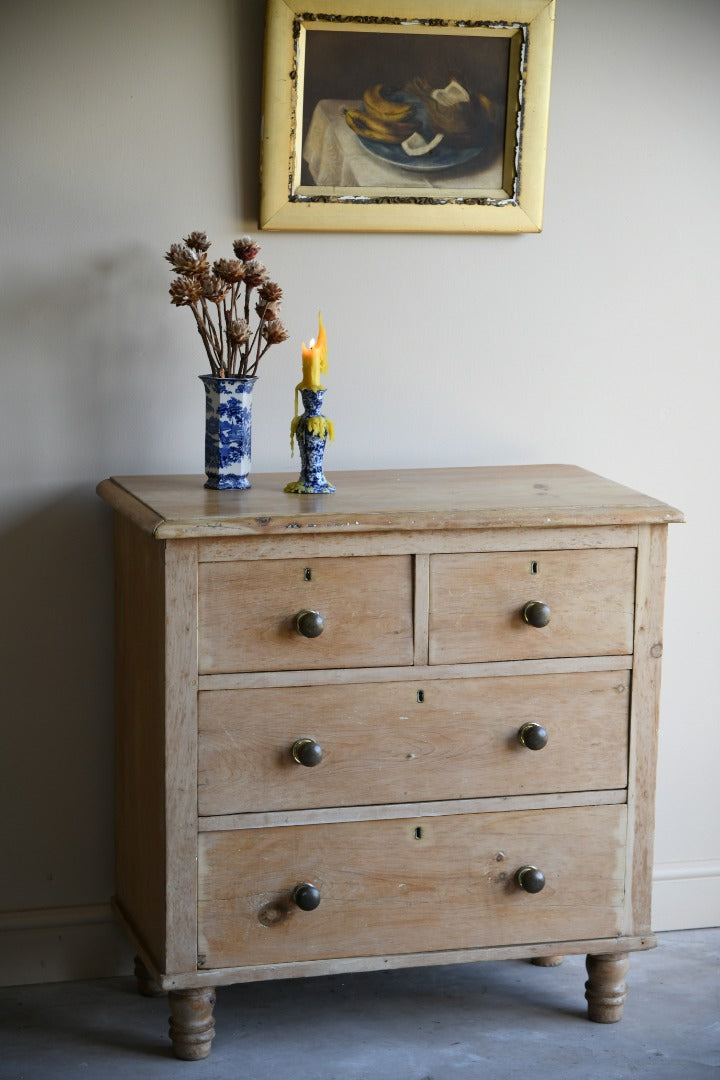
point(61, 944)
point(686, 895)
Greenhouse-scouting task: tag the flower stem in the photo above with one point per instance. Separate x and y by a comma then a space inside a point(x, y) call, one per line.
point(211, 332)
point(257, 338)
point(202, 331)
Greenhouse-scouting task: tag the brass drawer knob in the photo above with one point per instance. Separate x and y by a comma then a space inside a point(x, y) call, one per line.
point(306, 896)
point(534, 736)
point(307, 752)
point(536, 613)
point(309, 623)
point(530, 879)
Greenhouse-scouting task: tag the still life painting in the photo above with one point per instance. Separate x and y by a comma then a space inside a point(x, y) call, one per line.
point(407, 111)
point(425, 117)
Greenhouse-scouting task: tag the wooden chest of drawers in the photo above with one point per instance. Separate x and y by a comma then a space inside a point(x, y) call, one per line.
point(410, 723)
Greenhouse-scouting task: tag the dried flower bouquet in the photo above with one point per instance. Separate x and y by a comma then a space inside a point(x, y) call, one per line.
point(220, 298)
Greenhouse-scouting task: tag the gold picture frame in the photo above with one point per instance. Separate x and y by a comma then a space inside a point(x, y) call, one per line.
point(347, 81)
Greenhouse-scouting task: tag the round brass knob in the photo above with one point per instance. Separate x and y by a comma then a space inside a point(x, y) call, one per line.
point(306, 896)
point(309, 623)
point(536, 613)
point(307, 752)
point(530, 879)
point(534, 736)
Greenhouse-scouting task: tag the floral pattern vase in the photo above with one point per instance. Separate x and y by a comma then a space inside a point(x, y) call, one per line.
point(312, 431)
point(228, 431)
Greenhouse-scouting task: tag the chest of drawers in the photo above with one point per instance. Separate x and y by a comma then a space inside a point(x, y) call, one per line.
point(410, 723)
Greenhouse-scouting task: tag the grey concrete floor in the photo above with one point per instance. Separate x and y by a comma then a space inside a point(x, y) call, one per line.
point(495, 1021)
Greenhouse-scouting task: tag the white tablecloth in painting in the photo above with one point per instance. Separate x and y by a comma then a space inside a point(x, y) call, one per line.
point(336, 158)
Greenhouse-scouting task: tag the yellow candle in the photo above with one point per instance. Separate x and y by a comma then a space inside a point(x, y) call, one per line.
point(314, 360)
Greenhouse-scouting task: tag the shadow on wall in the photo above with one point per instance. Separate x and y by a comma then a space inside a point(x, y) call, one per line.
point(87, 394)
point(56, 672)
point(248, 88)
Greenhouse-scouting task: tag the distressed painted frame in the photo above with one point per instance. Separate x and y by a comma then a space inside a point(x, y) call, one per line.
point(516, 205)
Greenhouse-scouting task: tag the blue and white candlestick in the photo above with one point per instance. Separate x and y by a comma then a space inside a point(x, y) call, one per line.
point(311, 430)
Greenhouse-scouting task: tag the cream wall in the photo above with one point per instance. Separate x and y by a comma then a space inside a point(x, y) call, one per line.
point(127, 124)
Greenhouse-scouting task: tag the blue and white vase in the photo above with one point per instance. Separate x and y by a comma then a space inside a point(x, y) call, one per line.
point(312, 431)
point(228, 431)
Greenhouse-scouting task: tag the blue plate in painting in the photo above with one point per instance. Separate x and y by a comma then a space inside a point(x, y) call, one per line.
point(440, 157)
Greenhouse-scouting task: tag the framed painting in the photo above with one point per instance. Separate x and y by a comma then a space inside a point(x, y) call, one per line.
point(405, 115)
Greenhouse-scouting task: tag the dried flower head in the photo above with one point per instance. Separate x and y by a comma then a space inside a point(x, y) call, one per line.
point(246, 248)
point(213, 289)
point(255, 274)
point(270, 293)
point(185, 261)
point(274, 332)
point(197, 241)
point(267, 312)
point(239, 332)
point(184, 291)
point(230, 270)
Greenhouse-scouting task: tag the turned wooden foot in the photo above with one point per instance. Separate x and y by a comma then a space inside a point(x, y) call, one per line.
point(605, 989)
point(547, 961)
point(192, 1027)
point(145, 982)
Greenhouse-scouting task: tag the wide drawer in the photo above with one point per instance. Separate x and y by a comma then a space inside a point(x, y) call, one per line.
point(411, 741)
point(401, 886)
point(478, 601)
point(247, 613)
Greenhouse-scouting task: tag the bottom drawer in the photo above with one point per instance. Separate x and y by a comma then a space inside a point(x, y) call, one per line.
point(410, 885)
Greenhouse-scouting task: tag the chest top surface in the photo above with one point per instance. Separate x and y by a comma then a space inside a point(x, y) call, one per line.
point(526, 496)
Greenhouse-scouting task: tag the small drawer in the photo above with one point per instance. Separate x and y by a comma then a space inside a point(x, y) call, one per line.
point(480, 605)
point(248, 613)
point(410, 885)
point(411, 742)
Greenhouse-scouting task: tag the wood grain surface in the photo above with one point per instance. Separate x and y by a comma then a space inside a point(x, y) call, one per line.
point(403, 742)
point(409, 885)
point(371, 501)
point(247, 613)
point(477, 602)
